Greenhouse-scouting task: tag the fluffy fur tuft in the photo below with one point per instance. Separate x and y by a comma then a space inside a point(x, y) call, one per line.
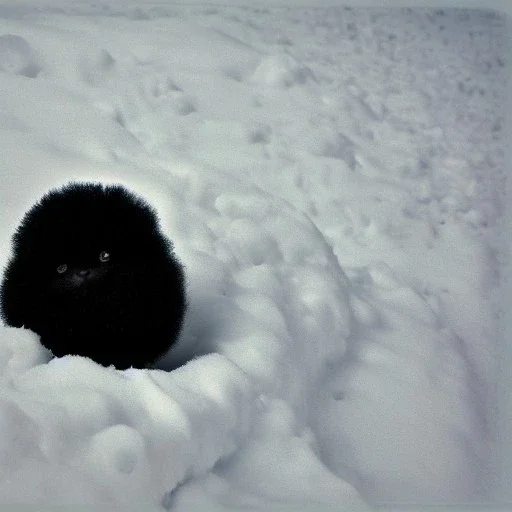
point(93, 275)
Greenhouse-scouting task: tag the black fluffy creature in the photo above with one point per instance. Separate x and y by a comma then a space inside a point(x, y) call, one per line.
point(93, 275)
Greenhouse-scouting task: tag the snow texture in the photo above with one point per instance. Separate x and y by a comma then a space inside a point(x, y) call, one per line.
point(333, 181)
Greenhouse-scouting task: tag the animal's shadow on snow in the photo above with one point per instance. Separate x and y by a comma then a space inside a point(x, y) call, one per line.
point(206, 319)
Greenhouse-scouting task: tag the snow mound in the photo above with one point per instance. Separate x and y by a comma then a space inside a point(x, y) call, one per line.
point(130, 435)
point(281, 71)
point(19, 350)
point(17, 56)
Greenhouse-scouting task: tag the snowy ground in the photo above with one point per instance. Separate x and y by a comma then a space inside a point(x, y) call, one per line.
point(333, 181)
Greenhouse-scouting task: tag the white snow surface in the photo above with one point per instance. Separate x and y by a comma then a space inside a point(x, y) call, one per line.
point(332, 179)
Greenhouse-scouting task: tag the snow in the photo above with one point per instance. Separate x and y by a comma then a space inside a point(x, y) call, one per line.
point(333, 181)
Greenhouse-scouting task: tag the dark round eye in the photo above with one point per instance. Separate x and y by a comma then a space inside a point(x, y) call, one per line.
point(62, 268)
point(104, 256)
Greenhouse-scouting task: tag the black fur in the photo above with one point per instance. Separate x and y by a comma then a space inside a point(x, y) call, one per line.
point(123, 308)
